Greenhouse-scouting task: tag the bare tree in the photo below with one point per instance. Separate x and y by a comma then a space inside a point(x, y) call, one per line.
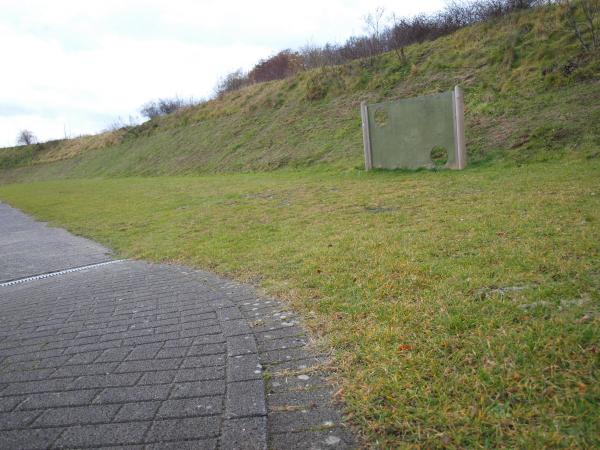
point(398, 38)
point(374, 28)
point(26, 137)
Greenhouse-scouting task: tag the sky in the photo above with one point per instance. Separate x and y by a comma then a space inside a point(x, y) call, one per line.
point(73, 67)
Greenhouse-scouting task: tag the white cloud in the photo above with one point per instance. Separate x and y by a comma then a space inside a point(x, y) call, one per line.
point(82, 64)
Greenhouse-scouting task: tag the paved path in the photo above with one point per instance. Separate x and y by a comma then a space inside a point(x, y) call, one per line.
point(28, 247)
point(126, 353)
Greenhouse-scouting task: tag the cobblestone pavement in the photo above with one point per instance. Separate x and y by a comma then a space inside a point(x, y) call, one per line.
point(28, 247)
point(138, 355)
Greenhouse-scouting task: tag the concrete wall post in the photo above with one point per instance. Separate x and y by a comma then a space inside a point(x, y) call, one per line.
point(459, 128)
point(364, 114)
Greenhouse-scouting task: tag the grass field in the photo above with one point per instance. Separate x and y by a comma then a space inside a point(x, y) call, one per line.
point(463, 307)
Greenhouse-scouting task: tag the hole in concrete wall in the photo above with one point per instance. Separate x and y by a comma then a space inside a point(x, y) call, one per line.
point(381, 117)
point(439, 156)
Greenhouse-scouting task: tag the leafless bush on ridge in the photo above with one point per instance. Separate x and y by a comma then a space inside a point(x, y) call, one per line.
point(279, 66)
point(232, 82)
point(282, 65)
point(26, 137)
point(163, 106)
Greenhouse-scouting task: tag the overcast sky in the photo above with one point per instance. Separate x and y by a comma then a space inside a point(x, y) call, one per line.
point(74, 67)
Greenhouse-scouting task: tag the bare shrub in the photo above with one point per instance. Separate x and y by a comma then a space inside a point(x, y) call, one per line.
point(150, 110)
point(162, 106)
point(277, 67)
point(314, 56)
point(232, 82)
point(170, 105)
point(26, 137)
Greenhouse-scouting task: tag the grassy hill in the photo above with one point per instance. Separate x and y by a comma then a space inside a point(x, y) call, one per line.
point(530, 93)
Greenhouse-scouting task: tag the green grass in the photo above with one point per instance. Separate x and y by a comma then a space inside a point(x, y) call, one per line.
point(463, 307)
point(530, 95)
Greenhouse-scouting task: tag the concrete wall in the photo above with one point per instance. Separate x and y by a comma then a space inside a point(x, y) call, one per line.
point(403, 133)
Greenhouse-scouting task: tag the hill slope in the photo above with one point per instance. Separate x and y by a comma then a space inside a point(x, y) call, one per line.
point(531, 94)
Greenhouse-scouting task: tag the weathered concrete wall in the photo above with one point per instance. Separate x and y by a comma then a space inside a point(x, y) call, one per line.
point(402, 134)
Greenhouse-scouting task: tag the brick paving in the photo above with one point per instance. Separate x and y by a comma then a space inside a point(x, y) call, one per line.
point(138, 355)
point(28, 247)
